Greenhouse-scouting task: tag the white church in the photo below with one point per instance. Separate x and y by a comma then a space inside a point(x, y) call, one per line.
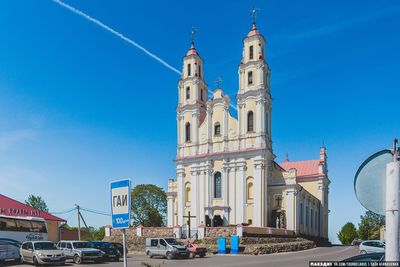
point(226, 172)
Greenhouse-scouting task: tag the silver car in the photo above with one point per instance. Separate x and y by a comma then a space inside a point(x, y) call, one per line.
point(372, 246)
point(79, 251)
point(166, 247)
point(41, 252)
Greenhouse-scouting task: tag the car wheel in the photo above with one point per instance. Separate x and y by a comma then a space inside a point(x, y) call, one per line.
point(149, 254)
point(169, 256)
point(202, 255)
point(192, 255)
point(77, 259)
point(35, 261)
point(363, 252)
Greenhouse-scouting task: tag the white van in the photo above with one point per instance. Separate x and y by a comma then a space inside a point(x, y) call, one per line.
point(166, 247)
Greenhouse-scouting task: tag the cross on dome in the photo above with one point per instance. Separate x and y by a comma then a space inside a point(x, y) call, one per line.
point(253, 12)
point(218, 81)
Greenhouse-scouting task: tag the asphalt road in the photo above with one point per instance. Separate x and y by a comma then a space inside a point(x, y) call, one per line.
point(295, 259)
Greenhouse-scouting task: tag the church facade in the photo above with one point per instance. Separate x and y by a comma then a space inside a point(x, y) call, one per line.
point(226, 172)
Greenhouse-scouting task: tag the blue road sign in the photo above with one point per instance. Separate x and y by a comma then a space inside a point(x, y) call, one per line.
point(121, 203)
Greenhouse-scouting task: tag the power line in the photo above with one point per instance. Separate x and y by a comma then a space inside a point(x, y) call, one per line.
point(63, 212)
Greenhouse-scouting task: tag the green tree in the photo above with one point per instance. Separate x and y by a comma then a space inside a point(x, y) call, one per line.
point(369, 226)
point(347, 234)
point(37, 202)
point(149, 205)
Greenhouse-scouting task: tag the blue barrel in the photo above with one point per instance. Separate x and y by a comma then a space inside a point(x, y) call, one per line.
point(221, 245)
point(234, 244)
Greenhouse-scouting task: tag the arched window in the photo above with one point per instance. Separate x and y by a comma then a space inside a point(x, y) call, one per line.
point(187, 132)
point(217, 185)
point(201, 95)
point(250, 121)
point(250, 77)
point(199, 71)
point(249, 189)
point(188, 92)
point(251, 52)
point(187, 193)
point(189, 70)
point(217, 129)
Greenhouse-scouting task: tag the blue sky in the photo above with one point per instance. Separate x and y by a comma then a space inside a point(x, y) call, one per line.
point(80, 107)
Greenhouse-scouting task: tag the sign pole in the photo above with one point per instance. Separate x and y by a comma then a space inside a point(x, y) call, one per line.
point(392, 208)
point(124, 243)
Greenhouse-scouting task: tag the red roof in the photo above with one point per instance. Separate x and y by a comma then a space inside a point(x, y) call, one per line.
point(253, 31)
point(11, 207)
point(191, 51)
point(303, 168)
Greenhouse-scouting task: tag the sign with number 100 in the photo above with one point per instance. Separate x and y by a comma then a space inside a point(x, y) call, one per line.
point(120, 203)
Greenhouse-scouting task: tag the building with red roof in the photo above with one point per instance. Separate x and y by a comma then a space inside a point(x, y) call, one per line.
point(12, 207)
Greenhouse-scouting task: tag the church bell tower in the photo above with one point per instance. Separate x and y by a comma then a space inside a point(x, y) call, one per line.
point(254, 99)
point(192, 100)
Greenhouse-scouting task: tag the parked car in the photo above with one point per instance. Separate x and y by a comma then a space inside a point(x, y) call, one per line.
point(195, 249)
point(110, 251)
point(372, 257)
point(41, 252)
point(372, 246)
point(79, 251)
point(120, 248)
point(166, 247)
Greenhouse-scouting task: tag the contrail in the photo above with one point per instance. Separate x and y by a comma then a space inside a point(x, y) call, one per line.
point(123, 37)
point(120, 35)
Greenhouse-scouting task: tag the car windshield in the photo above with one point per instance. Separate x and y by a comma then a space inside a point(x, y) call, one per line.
point(44, 246)
point(80, 244)
point(172, 241)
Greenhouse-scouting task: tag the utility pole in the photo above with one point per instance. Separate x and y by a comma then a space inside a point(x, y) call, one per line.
point(392, 207)
point(79, 222)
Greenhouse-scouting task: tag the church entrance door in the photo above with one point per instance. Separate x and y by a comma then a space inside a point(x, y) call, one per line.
point(218, 221)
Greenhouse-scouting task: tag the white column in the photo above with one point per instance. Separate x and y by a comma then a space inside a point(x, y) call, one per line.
point(209, 128)
point(240, 190)
point(257, 192)
point(224, 183)
point(181, 134)
point(195, 131)
point(170, 207)
point(241, 125)
point(265, 192)
point(194, 202)
point(180, 171)
point(202, 194)
point(232, 190)
point(290, 209)
point(226, 110)
point(298, 214)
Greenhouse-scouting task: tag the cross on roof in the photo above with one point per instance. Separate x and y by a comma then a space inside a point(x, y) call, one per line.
point(253, 12)
point(218, 82)
point(278, 201)
point(192, 33)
